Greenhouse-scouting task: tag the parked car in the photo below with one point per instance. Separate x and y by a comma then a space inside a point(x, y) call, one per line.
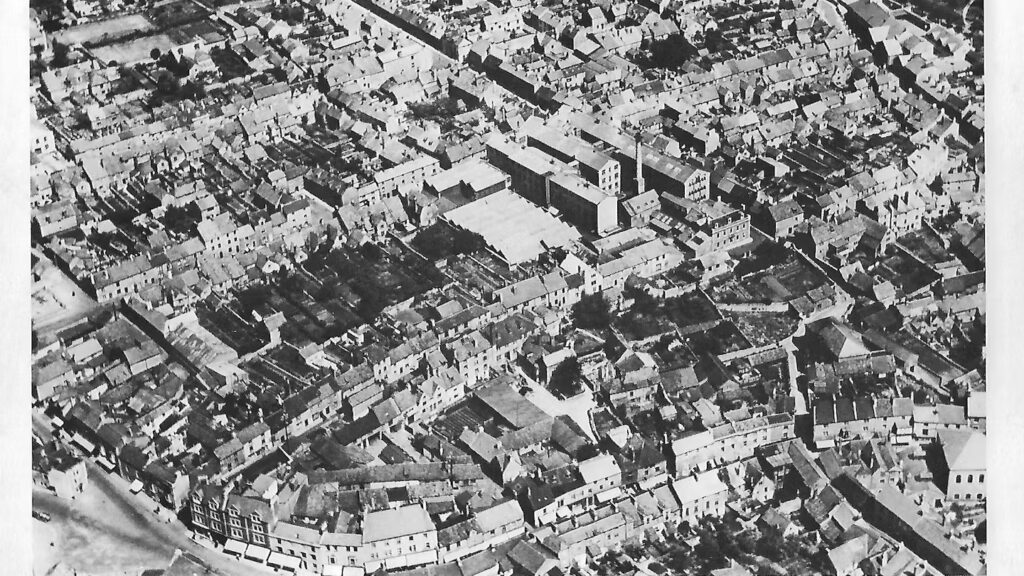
point(41, 516)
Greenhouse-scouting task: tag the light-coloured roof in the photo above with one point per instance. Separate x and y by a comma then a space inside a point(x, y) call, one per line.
point(698, 486)
point(977, 405)
point(963, 449)
point(598, 468)
point(515, 228)
point(508, 512)
point(396, 523)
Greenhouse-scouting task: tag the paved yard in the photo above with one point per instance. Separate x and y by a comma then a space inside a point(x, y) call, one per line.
point(55, 298)
point(578, 407)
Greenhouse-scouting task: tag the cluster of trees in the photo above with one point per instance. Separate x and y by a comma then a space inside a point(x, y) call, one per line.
point(592, 312)
point(643, 303)
point(181, 220)
point(293, 14)
point(670, 52)
point(441, 241)
point(169, 84)
point(720, 541)
point(441, 110)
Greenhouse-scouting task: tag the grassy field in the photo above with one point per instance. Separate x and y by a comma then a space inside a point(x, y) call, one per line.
point(95, 31)
point(132, 51)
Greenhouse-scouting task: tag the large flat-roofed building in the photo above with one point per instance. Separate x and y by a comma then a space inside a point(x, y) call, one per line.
point(661, 172)
point(594, 166)
point(516, 230)
point(547, 181)
point(583, 203)
point(529, 168)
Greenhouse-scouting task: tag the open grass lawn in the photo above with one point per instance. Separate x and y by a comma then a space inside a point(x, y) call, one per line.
point(134, 50)
point(112, 28)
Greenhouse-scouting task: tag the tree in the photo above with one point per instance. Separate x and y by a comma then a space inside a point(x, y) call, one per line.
point(312, 242)
point(278, 73)
point(167, 85)
point(296, 14)
point(643, 302)
point(181, 219)
point(671, 51)
point(155, 54)
point(770, 544)
point(440, 241)
point(565, 378)
point(193, 91)
point(61, 55)
point(254, 296)
point(592, 312)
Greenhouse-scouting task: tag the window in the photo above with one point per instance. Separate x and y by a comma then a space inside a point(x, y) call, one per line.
point(979, 497)
point(959, 478)
point(970, 478)
point(981, 478)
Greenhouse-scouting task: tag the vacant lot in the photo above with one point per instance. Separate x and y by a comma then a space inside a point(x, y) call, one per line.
point(721, 339)
point(774, 274)
point(904, 272)
point(763, 328)
point(133, 51)
point(927, 246)
point(96, 31)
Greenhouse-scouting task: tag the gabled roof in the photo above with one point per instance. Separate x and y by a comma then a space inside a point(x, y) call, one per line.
point(963, 449)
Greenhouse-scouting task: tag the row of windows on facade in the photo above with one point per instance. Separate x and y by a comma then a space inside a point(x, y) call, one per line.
point(970, 478)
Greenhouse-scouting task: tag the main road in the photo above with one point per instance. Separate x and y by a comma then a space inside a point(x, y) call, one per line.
point(109, 530)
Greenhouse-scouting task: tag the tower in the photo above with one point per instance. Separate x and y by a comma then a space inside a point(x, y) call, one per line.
point(639, 167)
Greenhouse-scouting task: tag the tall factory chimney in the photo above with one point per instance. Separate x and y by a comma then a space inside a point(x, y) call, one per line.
point(639, 167)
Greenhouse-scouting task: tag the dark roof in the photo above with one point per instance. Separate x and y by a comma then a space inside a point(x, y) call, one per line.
point(844, 410)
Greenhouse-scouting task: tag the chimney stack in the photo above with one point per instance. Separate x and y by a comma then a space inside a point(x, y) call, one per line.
point(639, 167)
